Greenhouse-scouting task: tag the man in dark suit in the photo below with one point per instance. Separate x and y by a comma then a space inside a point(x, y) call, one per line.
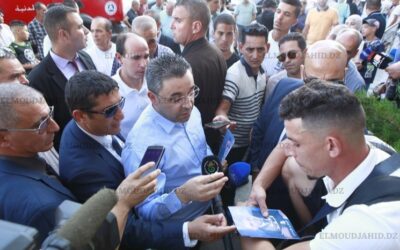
point(90, 158)
point(68, 37)
point(27, 128)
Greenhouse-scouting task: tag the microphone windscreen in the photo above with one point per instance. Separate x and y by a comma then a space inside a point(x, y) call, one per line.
point(83, 225)
point(210, 165)
point(367, 54)
point(238, 173)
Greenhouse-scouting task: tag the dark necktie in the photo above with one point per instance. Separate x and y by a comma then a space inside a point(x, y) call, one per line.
point(116, 146)
point(115, 66)
point(74, 65)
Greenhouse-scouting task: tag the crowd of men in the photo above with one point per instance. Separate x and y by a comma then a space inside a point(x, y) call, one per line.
point(284, 82)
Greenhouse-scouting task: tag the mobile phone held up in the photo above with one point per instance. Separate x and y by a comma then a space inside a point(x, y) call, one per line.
point(216, 124)
point(153, 153)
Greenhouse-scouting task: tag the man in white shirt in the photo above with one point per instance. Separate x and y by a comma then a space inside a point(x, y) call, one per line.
point(6, 36)
point(133, 54)
point(285, 17)
point(103, 53)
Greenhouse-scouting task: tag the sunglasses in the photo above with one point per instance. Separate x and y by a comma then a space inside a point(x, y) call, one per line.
point(292, 54)
point(44, 124)
point(111, 110)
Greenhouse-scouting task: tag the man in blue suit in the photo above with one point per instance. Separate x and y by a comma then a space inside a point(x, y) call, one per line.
point(90, 159)
point(30, 191)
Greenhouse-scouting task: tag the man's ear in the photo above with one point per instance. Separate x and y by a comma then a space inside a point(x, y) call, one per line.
point(152, 97)
point(4, 139)
point(197, 26)
point(78, 115)
point(119, 57)
point(333, 146)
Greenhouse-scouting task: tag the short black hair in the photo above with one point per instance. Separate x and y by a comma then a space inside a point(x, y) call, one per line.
point(294, 36)
point(17, 23)
point(198, 11)
point(321, 104)
point(269, 4)
point(295, 3)
point(255, 29)
point(83, 88)
point(163, 68)
point(225, 19)
point(373, 4)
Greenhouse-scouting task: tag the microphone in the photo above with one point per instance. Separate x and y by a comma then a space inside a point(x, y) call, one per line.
point(83, 225)
point(238, 173)
point(375, 54)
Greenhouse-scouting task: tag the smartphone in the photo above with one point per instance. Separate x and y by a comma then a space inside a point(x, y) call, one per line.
point(216, 124)
point(153, 153)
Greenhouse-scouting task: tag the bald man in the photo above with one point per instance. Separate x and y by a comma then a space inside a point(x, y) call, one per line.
point(325, 60)
point(351, 40)
point(146, 27)
point(133, 54)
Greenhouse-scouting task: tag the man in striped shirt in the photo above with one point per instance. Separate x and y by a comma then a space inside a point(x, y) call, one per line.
point(244, 92)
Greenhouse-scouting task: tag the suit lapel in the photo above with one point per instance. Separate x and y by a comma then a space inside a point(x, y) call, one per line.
point(55, 73)
point(97, 148)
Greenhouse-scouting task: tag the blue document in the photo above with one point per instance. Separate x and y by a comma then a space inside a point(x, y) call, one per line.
point(226, 145)
point(251, 223)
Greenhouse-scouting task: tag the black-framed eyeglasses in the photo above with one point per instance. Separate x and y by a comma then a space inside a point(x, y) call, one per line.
point(40, 129)
point(110, 111)
point(291, 54)
point(181, 99)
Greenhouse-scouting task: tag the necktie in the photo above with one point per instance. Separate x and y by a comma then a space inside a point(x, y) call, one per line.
point(115, 66)
point(74, 65)
point(116, 146)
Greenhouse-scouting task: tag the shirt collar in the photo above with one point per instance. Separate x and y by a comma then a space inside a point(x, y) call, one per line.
point(124, 89)
point(164, 123)
point(104, 140)
point(337, 196)
point(61, 62)
point(249, 71)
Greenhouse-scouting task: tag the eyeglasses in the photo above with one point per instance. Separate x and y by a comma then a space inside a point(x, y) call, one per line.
point(181, 99)
point(110, 111)
point(292, 54)
point(40, 129)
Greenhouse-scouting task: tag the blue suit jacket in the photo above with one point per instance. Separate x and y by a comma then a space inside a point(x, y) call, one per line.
point(86, 167)
point(268, 127)
point(30, 197)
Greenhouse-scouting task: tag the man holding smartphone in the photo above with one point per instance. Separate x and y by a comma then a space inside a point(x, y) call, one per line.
point(90, 159)
point(173, 122)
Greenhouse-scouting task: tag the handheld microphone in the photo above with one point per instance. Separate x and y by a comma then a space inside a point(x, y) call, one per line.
point(374, 54)
point(83, 225)
point(238, 173)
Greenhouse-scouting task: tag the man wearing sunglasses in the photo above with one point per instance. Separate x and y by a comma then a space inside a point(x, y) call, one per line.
point(285, 17)
point(292, 48)
point(90, 157)
point(30, 190)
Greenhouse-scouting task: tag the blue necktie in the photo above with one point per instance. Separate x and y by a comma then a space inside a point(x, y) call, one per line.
point(116, 146)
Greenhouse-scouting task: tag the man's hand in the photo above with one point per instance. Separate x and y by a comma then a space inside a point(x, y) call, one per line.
point(209, 228)
point(231, 125)
point(135, 188)
point(394, 71)
point(201, 188)
point(257, 198)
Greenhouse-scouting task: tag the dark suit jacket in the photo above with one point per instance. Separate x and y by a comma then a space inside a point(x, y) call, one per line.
point(209, 72)
point(169, 42)
point(49, 80)
point(268, 127)
point(30, 197)
point(86, 166)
